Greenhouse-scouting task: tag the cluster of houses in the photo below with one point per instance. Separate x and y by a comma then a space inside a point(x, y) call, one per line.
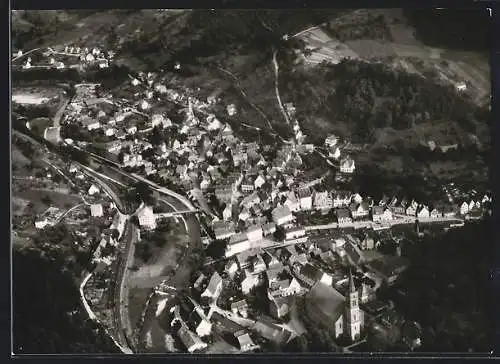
point(334, 298)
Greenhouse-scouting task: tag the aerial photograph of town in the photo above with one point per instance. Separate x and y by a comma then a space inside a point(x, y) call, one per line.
point(243, 181)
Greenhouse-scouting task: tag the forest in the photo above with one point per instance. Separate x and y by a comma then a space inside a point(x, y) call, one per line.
point(369, 96)
point(47, 314)
point(449, 275)
point(455, 28)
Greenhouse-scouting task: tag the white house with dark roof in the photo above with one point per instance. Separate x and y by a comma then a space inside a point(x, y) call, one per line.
point(347, 165)
point(282, 215)
point(214, 287)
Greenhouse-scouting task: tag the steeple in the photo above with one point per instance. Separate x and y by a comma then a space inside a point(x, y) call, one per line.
point(352, 287)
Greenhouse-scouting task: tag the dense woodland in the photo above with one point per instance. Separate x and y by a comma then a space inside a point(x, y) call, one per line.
point(47, 313)
point(372, 96)
point(461, 29)
point(449, 275)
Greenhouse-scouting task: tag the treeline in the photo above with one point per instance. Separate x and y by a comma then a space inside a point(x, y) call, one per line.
point(461, 29)
point(456, 295)
point(47, 314)
point(109, 77)
point(370, 96)
point(375, 27)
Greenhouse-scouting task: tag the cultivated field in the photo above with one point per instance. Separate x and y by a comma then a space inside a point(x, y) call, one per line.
point(405, 50)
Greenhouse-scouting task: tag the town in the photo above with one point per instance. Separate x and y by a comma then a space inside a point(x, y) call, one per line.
point(267, 250)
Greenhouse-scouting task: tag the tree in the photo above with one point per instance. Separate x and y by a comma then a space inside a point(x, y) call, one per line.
point(46, 200)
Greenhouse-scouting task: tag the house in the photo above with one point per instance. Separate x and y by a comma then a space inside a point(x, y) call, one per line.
point(147, 218)
point(377, 213)
point(249, 281)
point(435, 213)
point(347, 165)
point(271, 261)
point(343, 216)
point(240, 307)
point(388, 268)
point(109, 131)
point(423, 213)
point(237, 243)
point(90, 124)
point(284, 288)
point(190, 340)
point(341, 198)
point(305, 199)
point(359, 211)
point(279, 306)
point(53, 134)
point(257, 264)
point(268, 229)
point(323, 200)
point(231, 268)
point(227, 214)
point(294, 233)
point(271, 332)
point(96, 210)
point(199, 281)
point(307, 273)
point(331, 141)
point(472, 205)
point(224, 193)
point(411, 210)
point(254, 233)
point(93, 190)
point(334, 312)
point(259, 181)
point(367, 243)
point(282, 215)
point(464, 208)
point(245, 341)
point(386, 215)
point(247, 185)
point(214, 287)
point(199, 322)
point(223, 229)
point(48, 218)
point(292, 202)
point(244, 215)
point(356, 198)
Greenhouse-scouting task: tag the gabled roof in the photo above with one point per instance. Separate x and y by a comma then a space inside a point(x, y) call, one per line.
point(215, 281)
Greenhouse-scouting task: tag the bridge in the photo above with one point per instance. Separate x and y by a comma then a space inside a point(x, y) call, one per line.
point(175, 213)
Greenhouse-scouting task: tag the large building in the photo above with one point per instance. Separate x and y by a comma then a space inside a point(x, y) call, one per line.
point(53, 134)
point(282, 215)
point(330, 309)
point(147, 218)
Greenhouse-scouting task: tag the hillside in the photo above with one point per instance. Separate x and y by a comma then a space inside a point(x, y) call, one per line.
point(57, 323)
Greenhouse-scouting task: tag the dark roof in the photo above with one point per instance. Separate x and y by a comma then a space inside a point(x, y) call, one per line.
point(389, 266)
point(271, 332)
point(215, 280)
point(226, 324)
point(343, 213)
point(326, 299)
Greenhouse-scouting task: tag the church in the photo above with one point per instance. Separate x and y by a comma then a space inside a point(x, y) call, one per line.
point(330, 309)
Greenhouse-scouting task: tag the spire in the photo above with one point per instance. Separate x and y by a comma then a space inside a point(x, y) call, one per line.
point(352, 287)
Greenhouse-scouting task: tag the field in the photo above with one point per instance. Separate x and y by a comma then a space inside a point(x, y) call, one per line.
point(468, 67)
point(57, 199)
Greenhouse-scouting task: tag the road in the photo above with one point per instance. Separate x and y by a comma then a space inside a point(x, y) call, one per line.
point(24, 54)
point(276, 87)
point(120, 311)
point(68, 211)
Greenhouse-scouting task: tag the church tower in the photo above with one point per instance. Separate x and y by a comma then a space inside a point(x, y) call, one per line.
point(353, 314)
